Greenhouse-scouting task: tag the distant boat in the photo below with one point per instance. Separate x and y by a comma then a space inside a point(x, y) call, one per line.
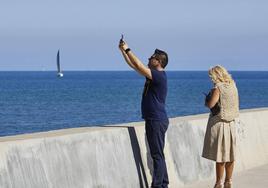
point(59, 74)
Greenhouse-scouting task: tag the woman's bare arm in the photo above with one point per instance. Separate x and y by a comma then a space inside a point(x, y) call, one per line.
point(214, 98)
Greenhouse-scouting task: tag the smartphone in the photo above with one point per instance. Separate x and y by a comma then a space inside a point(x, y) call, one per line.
point(122, 38)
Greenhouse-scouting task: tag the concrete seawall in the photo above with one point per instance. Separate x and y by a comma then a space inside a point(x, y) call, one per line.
point(118, 156)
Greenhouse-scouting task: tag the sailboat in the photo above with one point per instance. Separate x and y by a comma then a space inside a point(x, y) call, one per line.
point(59, 74)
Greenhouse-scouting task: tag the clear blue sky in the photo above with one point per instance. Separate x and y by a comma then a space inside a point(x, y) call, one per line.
point(196, 34)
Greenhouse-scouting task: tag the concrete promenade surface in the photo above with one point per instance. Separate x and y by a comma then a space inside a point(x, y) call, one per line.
point(253, 178)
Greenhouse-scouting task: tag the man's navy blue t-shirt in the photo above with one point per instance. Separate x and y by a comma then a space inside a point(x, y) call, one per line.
point(154, 97)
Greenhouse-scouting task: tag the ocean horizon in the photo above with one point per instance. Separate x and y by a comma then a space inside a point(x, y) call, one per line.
point(34, 101)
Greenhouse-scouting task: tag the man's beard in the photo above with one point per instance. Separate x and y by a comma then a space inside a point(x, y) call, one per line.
point(151, 66)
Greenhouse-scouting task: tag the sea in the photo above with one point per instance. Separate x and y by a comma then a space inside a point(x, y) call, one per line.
point(40, 101)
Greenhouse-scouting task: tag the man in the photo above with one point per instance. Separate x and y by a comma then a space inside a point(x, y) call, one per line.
point(153, 107)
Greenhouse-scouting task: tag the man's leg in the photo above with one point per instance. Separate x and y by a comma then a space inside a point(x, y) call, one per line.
point(165, 180)
point(155, 136)
point(164, 127)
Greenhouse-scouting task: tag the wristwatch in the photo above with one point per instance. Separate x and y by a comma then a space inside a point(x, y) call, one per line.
point(127, 50)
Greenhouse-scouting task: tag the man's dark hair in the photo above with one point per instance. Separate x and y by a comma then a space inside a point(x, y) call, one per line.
point(162, 56)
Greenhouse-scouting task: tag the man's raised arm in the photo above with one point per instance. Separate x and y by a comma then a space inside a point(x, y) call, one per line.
point(133, 61)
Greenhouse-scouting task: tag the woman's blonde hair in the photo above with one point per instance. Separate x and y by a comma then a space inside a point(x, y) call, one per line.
point(220, 74)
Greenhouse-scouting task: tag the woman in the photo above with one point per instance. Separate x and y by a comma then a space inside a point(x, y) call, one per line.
point(220, 137)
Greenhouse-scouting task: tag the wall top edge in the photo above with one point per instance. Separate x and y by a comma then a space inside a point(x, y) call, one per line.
point(79, 130)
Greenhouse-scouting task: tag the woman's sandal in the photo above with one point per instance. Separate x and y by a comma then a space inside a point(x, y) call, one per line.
point(218, 185)
point(228, 184)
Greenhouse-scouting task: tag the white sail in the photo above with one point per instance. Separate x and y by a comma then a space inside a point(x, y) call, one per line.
point(59, 74)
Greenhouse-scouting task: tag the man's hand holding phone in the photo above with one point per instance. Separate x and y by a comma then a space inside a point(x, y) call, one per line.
point(122, 44)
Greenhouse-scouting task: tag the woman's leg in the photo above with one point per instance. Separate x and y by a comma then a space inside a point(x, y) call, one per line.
point(229, 167)
point(219, 172)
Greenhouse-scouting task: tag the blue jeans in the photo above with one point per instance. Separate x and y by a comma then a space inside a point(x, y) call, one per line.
point(155, 133)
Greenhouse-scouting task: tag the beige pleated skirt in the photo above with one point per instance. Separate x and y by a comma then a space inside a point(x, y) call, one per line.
point(220, 140)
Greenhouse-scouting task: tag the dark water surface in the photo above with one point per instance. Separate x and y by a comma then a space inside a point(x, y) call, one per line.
point(39, 101)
